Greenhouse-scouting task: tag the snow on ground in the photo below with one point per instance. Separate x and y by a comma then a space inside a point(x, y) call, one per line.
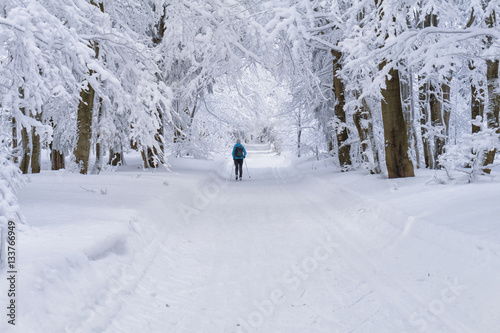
point(294, 247)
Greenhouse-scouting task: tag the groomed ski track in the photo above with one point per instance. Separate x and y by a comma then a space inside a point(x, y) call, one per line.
point(283, 251)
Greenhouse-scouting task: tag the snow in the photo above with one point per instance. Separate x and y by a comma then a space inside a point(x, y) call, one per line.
point(294, 247)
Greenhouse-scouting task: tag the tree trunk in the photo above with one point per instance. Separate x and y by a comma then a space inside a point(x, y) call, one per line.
point(342, 135)
point(446, 89)
point(57, 159)
point(477, 105)
point(432, 111)
point(371, 138)
point(56, 156)
point(115, 158)
point(84, 116)
point(425, 124)
point(178, 126)
point(493, 110)
point(26, 158)
point(25, 142)
point(36, 151)
point(359, 117)
point(298, 142)
point(363, 121)
point(413, 131)
point(477, 92)
point(409, 114)
point(395, 134)
point(151, 157)
point(331, 145)
point(437, 122)
point(158, 152)
point(84, 128)
point(440, 118)
point(145, 158)
point(96, 169)
point(14, 140)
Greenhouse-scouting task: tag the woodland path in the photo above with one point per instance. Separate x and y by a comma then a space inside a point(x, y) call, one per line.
point(283, 251)
point(280, 252)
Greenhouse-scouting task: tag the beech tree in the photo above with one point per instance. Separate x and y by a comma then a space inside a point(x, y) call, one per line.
point(491, 12)
point(85, 114)
point(143, 75)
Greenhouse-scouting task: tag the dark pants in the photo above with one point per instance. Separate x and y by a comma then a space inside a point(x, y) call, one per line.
point(238, 165)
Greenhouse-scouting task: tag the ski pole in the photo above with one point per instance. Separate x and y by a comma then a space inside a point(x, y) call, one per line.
point(247, 168)
point(232, 172)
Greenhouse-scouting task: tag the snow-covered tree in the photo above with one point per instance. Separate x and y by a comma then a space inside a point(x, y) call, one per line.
point(62, 57)
point(199, 44)
point(101, 76)
point(10, 181)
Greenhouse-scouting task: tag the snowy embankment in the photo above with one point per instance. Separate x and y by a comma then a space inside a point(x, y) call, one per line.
point(297, 247)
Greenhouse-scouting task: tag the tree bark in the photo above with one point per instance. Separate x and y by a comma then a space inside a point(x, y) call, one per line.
point(115, 158)
point(151, 157)
point(84, 128)
point(425, 124)
point(36, 151)
point(359, 117)
point(395, 134)
point(299, 132)
point(477, 105)
point(371, 138)
point(437, 122)
point(84, 116)
point(98, 159)
point(363, 121)
point(25, 141)
point(56, 159)
point(96, 169)
point(409, 114)
point(342, 135)
point(446, 89)
point(145, 159)
point(26, 144)
point(493, 110)
point(14, 140)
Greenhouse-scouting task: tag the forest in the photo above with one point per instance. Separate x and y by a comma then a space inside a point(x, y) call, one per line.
point(386, 85)
point(368, 201)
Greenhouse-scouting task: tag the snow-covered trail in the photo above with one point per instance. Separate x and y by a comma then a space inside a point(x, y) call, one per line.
point(237, 257)
point(282, 251)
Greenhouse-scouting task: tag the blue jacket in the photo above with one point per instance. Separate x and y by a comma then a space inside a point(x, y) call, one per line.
point(244, 152)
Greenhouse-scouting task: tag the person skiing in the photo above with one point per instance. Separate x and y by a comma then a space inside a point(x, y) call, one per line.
point(239, 153)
